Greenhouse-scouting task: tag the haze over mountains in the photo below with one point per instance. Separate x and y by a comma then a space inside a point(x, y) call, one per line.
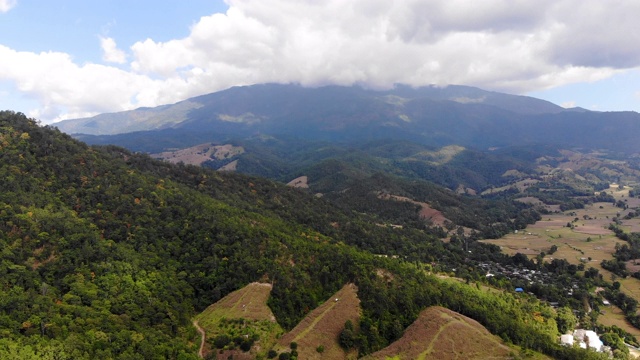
point(435, 116)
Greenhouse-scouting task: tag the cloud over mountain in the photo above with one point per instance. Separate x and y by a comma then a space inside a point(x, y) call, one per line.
point(513, 46)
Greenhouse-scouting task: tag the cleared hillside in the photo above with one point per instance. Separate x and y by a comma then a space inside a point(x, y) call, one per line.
point(442, 334)
point(242, 313)
point(317, 334)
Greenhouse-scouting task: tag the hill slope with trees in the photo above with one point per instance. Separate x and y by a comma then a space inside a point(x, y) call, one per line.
point(109, 254)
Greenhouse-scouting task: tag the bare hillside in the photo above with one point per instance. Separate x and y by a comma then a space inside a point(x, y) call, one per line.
point(442, 334)
point(317, 334)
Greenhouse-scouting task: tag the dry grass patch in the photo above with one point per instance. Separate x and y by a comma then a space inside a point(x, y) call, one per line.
point(242, 313)
point(197, 155)
point(426, 211)
point(299, 182)
point(589, 237)
point(322, 327)
point(614, 316)
point(442, 334)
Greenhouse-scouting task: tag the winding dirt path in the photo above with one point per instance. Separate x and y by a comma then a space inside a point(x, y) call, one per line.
point(202, 334)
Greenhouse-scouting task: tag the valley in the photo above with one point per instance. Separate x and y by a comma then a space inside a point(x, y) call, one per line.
point(582, 237)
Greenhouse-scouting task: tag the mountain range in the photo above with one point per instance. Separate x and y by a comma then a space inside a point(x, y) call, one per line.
point(433, 116)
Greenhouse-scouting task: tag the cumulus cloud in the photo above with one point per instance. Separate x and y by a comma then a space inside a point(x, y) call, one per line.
point(65, 89)
point(505, 45)
point(6, 5)
point(110, 51)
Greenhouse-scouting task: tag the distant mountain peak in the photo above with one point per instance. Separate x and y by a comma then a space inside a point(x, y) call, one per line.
point(250, 104)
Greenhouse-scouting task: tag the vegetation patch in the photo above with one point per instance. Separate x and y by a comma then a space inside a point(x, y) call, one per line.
point(240, 322)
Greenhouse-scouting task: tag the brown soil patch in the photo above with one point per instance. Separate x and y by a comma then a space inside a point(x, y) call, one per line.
point(248, 303)
point(426, 211)
point(232, 166)
point(323, 325)
point(299, 182)
point(442, 334)
point(592, 229)
point(633, 265)
point(196, 155)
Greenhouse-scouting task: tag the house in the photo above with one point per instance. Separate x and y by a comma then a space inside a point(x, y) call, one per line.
point(566, 340)
point(588, 338)
point(519, 290)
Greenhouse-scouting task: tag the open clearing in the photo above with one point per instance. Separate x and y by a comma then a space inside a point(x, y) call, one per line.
point(588, 241)
point(250, 304)
point(442, 334)
point(197, 155)
point(426, 211)
point(322, 326)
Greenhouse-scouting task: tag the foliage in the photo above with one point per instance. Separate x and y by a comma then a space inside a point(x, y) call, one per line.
point(108, 254)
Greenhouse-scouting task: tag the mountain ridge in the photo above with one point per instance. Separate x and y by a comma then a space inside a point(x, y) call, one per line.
point(169, 115)
point(452, 115)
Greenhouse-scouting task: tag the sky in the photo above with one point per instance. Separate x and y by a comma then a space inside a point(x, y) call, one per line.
point(76, 58)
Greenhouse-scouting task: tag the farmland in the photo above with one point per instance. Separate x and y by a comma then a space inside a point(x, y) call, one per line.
point(582, 236)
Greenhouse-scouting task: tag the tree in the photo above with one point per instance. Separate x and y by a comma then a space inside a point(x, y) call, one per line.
point(347, 336)
point(565, 320)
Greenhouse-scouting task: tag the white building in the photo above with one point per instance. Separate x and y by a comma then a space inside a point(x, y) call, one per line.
point(588, 338)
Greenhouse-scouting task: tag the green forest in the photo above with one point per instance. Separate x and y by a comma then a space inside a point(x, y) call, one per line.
point(108, 254)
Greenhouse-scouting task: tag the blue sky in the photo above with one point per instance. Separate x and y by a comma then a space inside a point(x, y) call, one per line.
point(73, 26)
point(71, 58)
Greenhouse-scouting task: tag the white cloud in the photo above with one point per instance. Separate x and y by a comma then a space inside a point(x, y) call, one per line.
point(568, 104)
point(505, 45)
point(6, 5)
point(65, 89)
point(513, 46)
point(110, 51)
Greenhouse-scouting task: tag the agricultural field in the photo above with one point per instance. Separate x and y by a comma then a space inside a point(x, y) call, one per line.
point(582, 236)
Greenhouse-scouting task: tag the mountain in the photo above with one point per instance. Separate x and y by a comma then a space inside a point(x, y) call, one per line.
point(434, 116)
point(108, 253)
point(278, 104)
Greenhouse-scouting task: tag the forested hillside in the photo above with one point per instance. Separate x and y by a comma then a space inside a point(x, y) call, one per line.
point(109, 254)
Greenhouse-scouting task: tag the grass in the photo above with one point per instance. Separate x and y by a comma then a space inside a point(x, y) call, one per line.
point(242, 313)
point(322, 327)
point(440, 333)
